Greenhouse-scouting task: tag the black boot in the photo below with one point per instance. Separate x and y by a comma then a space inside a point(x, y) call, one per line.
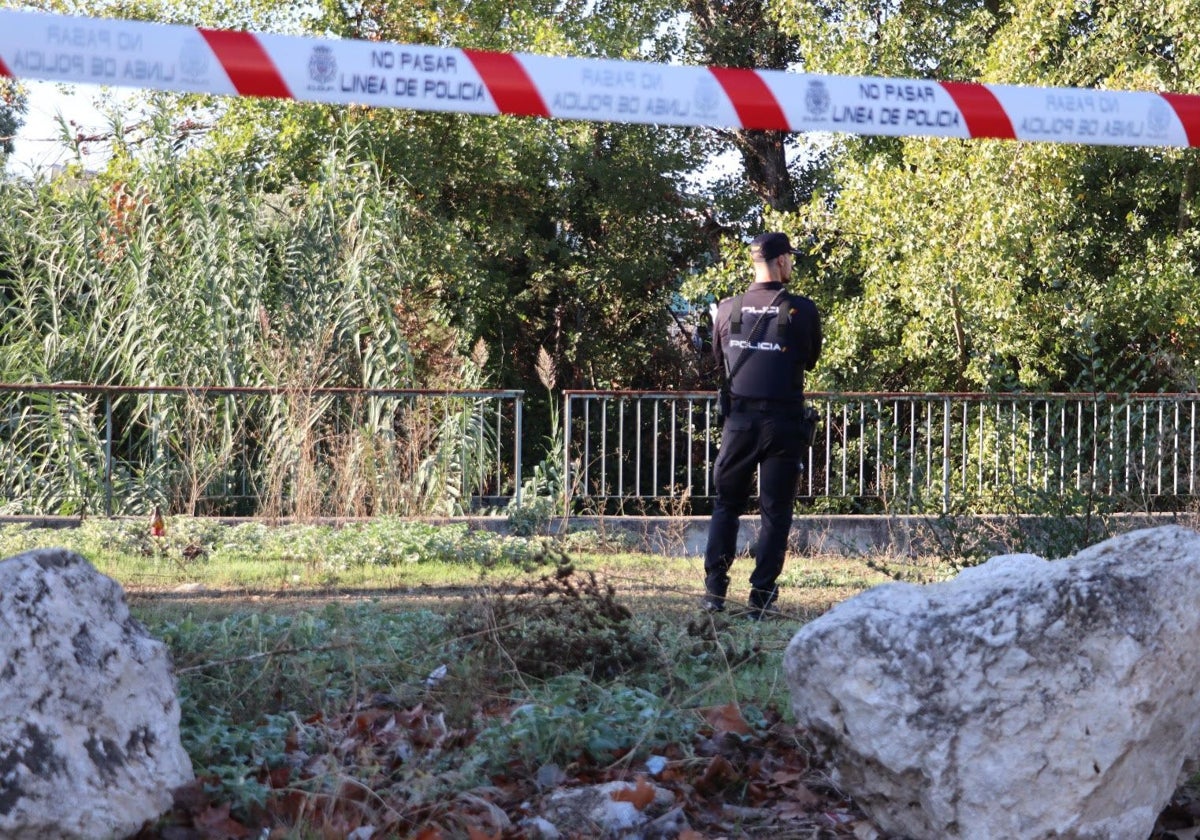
point(715, 587)
point(762, 603)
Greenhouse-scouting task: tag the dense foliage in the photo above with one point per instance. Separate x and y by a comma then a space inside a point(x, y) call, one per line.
point(242, 242)
point(13, 103)
point(998, 265)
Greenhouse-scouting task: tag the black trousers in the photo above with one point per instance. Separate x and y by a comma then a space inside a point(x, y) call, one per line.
point(753, 440)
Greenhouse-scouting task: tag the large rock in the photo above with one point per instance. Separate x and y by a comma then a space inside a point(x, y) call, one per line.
point(89, 719)
point(1023, 699)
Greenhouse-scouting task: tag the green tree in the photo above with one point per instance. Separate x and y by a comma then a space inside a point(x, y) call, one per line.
point(879, 37)
point(820, 36)
point(13, 104)
point(991, 264)
point(566, 235)
point(745, 34)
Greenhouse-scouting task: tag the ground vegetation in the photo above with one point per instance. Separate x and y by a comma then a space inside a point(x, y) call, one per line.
point(421, 682)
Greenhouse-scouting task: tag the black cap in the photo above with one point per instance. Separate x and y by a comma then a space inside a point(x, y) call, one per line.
point(767, 246)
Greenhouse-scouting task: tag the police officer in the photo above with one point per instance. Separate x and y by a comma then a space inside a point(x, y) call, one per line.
point(764, 341)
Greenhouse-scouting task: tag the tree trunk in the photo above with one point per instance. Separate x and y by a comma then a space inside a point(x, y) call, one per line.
point(766, 167)
point(1187, 194)
point(738, 33)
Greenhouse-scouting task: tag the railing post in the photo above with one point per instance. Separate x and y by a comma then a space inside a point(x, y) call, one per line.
point(517, 453)
point(946, 455)
point(566, 456)
point(108, 463)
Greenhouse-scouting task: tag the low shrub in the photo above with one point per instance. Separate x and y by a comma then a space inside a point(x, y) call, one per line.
point(563, 622)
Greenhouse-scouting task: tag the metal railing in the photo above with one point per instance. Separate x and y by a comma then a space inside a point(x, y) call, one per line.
point(644, 450)
point(74, 448)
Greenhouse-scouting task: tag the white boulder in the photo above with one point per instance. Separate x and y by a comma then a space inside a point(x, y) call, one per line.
point(89, 718)
point(1023, 699)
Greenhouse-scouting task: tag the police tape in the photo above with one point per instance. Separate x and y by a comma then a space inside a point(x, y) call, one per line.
point(122, 53)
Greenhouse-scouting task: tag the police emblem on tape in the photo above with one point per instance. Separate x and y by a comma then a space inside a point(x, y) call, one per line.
point(816, 99)
point(193, 61)
point(322, 68)
point(1158, 119)
point(705, 98)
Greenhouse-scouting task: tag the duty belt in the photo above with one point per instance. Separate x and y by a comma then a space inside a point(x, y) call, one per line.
point(771, 406)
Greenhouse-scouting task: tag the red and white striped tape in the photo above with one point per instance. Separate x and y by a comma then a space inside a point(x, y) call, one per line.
point(180, 58)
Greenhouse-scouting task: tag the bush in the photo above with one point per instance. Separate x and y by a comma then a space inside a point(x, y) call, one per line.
point(561, 623)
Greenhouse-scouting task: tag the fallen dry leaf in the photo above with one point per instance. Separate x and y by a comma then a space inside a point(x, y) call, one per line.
point(216, 824)
point(641, 795)
point(801, 796)
point(783, 778)
point(727, 718)
point(718, 775)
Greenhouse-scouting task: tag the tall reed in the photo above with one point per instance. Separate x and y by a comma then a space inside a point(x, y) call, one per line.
point(177, 270)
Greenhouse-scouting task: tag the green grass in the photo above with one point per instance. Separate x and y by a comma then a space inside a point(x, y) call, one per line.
point(379, 554)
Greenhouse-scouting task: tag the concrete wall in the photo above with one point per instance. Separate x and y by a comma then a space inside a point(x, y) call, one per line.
point(889, 535)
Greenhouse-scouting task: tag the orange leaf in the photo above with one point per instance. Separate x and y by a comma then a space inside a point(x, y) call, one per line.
point(474, 833)
point(690, 834)
point(727, 718)
point(641, 795)
point(718, 774)
point(429, 832)
point(215, 822)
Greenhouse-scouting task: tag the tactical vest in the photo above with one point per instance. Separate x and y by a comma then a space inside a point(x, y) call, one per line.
point(772, 368)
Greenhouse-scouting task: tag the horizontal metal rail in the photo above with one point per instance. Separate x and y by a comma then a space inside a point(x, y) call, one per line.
point(70, 447)
point(900, 452)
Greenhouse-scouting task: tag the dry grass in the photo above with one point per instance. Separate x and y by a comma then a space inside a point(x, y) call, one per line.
point(647, 583)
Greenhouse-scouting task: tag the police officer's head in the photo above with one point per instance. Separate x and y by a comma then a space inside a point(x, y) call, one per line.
point(772, 255)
